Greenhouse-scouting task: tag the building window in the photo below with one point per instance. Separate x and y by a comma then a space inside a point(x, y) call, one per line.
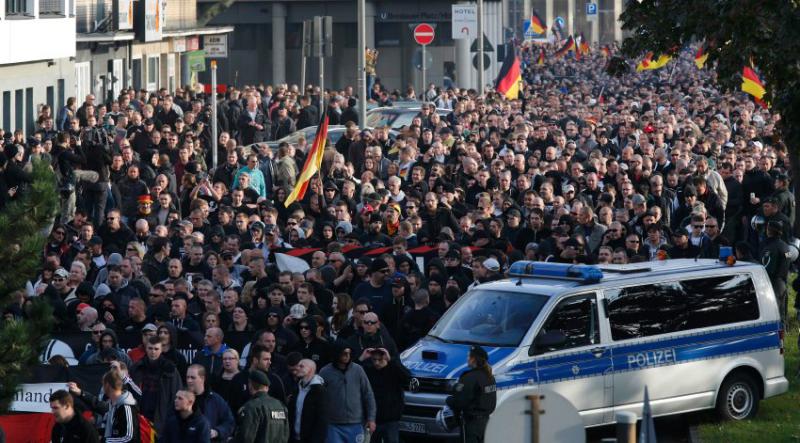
point(19, 116)
point(7, 111)
point(19, 7)
point(153, 72)
point(83, 80)
point(51, 8)
point(30, 112)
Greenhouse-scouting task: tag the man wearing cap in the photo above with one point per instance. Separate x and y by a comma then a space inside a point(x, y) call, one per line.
point(378, 289)
point(489, 270)
point(774, 253)
point(262, 419)
point(475, 396)
point(771, 211)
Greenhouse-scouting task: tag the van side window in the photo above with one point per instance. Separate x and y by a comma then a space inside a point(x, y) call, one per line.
point(576, 318)
point(661, 308)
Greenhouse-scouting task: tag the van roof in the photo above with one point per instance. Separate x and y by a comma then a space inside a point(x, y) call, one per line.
point(613, 273)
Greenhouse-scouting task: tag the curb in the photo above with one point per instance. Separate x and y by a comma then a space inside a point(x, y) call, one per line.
point(694, 435)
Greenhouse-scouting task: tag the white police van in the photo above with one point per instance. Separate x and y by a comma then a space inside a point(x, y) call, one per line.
point(700, 334)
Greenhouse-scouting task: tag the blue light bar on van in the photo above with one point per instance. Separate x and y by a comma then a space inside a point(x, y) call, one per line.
point(560, 271)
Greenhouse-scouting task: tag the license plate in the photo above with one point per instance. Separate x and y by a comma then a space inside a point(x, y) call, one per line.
point(408, 426)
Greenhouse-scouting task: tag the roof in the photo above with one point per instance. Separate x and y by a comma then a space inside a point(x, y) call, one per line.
point(614, 273)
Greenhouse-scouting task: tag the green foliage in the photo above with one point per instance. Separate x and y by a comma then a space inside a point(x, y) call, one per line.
point(22, 237)
point(765, 33)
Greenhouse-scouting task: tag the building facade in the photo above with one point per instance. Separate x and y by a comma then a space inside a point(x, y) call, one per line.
point(266, 44)
point(37, 50)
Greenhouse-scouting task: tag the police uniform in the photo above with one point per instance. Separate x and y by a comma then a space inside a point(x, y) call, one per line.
point(785, 200)
point(262, 419)
point(775, 258)
point(474, 398)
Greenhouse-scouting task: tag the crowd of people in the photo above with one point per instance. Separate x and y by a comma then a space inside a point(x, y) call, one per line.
point(582, 168)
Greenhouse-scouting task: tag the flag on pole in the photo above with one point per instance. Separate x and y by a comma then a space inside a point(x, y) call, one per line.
point(752, 84)
point(648, 64)
point(701, 56)
point(606, 51)
point(509, 80)
point(569, 45)
point(540, 58)
point(312, 165)
point(585, 49)
point(537, 24)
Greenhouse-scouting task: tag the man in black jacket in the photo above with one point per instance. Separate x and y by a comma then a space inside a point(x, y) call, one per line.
point(159, 380)
point(69, 427)
point(306, 415)
point(309, 114)
point(98, 159)
point(387, 377)
point(253, 124)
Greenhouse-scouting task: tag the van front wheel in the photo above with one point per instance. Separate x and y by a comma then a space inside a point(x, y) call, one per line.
point(738, 398)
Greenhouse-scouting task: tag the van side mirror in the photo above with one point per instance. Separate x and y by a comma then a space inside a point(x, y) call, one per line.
point(548, 341)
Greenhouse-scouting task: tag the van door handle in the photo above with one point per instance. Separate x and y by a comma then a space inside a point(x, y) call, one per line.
point(598, 351)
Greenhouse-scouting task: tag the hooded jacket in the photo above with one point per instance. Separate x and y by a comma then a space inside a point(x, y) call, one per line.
point(159, 381)
point(173, 355)
point(97, 357)
point(306, 411)
point(349, 397)
point(388, 386)
point(120, 419)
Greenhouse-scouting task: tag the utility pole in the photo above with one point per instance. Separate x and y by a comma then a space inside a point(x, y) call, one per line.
point(362, 64)
point(214, 135)
point(480, 48)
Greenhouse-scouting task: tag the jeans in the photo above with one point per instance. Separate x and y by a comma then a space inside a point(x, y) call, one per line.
point(96, 201)
point(338, 433)
point(388, 432)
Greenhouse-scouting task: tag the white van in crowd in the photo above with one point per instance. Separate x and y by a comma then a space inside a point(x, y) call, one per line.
point(700, 334)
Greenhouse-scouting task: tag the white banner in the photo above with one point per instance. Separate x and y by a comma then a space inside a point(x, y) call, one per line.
point(35, 397)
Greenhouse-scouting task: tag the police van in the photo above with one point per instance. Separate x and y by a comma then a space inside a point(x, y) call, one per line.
point(700, 334)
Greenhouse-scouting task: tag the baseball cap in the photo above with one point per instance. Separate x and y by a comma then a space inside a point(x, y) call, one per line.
point(149, 327)
point(378, 265)
point(398, 281)
point(82, 306)
point(257, 225)
point(297, 311)
point(61, 272)
point(491, 264)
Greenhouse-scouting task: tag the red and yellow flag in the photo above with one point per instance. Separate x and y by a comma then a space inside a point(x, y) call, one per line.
point(540, 57)
point(537, 24)
point(701, 56)
point(312, 165)
point(752, 84)
point(568, 46)
point(585, 49)
point(648, 64)
point(509, 80)
point(606, 51)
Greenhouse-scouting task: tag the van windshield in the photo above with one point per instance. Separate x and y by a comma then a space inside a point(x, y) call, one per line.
point(489, 318)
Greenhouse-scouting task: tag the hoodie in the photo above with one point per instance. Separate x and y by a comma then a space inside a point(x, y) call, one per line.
point(97, 357)
point(349, 397)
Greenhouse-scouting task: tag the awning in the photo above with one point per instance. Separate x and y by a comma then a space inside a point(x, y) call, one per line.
point(209, 30)
point(105, 37)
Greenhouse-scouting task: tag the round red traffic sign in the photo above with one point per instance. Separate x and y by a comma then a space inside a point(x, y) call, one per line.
point(423, 34)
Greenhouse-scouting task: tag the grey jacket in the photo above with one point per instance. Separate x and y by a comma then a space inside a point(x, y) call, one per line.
point(349, 395)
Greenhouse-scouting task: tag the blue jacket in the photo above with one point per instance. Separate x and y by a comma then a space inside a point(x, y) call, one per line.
point(212, 361)
point(217, 412)
point(193, 429)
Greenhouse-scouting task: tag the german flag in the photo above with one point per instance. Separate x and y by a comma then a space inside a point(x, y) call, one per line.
point(569, 45)
point(606, 51)
point(540, 57)
point(701, 56)
point(648, 64)
point(537, 24)
point(752, 84)
point(509, 80)
point(584, 45)
point(312, 165)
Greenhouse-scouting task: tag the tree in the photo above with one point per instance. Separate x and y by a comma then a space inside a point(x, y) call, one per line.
point(23, 226)
point(764, 33)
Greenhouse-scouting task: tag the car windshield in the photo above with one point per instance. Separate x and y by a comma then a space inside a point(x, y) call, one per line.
point(392, 119)
point(489, 318)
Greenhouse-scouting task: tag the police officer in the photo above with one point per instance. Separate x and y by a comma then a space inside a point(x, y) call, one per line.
point(774, 255)
point(263, 419)
point(475, 396)
point(784, 197)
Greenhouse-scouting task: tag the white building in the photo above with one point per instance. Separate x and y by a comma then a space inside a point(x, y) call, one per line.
point(37, 54)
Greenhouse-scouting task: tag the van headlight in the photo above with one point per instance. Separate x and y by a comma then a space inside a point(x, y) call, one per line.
point(451, 384)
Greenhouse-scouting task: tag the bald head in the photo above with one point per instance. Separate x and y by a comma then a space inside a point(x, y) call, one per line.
point(306, 369)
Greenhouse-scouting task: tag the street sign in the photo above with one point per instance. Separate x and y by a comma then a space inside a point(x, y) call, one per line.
point(416, 59)
point(591, 9)
point(465, 21)
point(487, 45)
point(216, 46)
point(423, 34)
point(486, 61)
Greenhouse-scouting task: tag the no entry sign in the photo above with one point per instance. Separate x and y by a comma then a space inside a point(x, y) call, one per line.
point(423, 34)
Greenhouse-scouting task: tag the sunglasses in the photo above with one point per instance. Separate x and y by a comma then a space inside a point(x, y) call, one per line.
point(370, 322)
point(306, 327)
